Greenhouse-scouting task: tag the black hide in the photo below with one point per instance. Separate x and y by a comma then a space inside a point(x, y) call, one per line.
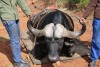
point(54, 47)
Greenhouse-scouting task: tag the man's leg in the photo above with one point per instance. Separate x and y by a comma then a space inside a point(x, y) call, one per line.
point(12, 27)
point(95, 45)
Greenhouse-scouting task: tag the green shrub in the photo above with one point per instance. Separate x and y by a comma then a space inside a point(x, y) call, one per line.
point(74, 1)
point(73, 4)
point(84, 3)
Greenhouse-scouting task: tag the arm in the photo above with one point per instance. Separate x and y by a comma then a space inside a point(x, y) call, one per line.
point(91, 6)
point(22, 4)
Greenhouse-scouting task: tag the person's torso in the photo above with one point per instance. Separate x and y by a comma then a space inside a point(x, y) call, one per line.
point(97, 10)
point(8, 9)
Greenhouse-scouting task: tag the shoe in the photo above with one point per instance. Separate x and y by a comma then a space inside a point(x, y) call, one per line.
point(22, 64)
point(92, 63)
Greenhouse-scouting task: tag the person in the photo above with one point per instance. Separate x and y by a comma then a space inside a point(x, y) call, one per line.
point(10, 19)
point(94, 5)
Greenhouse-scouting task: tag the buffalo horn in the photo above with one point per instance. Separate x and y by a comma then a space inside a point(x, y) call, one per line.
point(43, 32)
point(70, 34)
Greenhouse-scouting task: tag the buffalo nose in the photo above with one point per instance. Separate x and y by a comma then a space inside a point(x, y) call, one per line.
point(53, 58)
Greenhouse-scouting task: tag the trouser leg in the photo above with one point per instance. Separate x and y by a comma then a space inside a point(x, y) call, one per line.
point(12, 27)
point(95, 45)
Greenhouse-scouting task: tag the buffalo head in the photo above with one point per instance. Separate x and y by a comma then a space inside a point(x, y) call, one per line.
point(56, 30)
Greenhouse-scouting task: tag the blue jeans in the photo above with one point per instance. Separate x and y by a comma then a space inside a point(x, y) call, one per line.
point(95, 45)
point(12, 27)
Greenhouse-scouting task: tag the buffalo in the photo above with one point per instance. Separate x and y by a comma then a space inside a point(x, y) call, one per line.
point(54, 34)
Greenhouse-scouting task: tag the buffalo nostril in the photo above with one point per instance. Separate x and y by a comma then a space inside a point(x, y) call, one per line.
point(53, 58)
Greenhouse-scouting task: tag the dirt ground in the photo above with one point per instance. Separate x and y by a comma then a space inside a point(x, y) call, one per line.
point(6, 59)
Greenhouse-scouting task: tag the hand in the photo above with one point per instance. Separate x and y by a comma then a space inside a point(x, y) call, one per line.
point(29, 16)
point(83, 20)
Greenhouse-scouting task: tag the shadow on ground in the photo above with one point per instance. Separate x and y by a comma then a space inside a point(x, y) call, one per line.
point(6, 49)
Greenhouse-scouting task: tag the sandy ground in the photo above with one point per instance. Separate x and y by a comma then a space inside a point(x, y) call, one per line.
point(6, 59)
